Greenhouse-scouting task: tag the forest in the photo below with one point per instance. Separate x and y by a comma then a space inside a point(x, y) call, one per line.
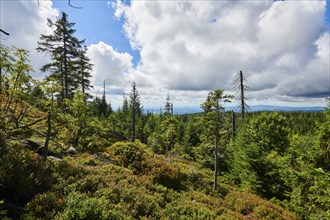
point(65, 154)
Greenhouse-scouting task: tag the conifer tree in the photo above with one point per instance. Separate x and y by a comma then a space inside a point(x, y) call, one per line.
point(135, 107)
point(104, 108)
point(124, 119)
point(212, 109)
point(168, 105)
point(62, 46)
point(83, 70)
point(125, 107)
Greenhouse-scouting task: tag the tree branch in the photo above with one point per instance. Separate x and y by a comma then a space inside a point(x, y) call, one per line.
point(73, 6)
point(6, 33)
point(69, 3)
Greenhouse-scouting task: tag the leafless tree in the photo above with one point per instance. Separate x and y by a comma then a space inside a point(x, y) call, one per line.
point(240, 89)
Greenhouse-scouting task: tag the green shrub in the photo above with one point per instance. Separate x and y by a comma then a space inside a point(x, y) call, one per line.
point(86, 159)
point(163, 173)
point(23, 174)
point(44, 206)
point(254, 206)
point(187, 209)
point(128, 154)
point(68, 167)
point(81, 207)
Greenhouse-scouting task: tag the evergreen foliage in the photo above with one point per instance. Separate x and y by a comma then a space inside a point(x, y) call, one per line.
point(258, 144)
point(130, 165)
point(212, 108)
point(70, 66)
point(168, 105)
point(135, 108)
point(83, 68)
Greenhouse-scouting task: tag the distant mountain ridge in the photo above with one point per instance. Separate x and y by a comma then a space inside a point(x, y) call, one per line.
point(256, 108)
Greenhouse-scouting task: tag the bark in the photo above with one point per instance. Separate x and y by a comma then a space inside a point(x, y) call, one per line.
point(133, 123)
point(242, 93)
point(66, 84)
point(49, 130)
point(233, 124)
point(216, 157)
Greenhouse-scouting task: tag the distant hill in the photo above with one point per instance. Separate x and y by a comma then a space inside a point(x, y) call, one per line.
point(195, 109)
point(257, 108)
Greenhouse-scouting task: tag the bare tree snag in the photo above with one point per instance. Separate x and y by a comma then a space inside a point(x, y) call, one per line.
point(240, 89)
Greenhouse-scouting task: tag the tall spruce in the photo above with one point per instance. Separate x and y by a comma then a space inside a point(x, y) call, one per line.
point(240, 89)
point(212, 108)
point(168, 105)
point(63, 47)
point(105, 109)
point(135, 107)
point(125, 107)
point(83, 67)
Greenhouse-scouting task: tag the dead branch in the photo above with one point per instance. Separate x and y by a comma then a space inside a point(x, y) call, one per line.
point(6, 33)
point(69, 3)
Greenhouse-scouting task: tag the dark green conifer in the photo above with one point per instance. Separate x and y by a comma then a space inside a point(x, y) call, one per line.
point(135, 107)
point(212, 109)
point(83, 67)
point(168, 105)
point(63, 47)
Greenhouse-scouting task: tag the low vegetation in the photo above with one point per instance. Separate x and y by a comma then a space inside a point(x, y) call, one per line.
point(67, 155)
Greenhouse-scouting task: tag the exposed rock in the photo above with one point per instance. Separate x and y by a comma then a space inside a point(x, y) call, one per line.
point(72, 151)
point(102, 157)
point(54, 158)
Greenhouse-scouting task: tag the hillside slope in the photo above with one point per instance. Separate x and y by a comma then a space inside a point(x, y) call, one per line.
point(125, 182)
point(105, 177)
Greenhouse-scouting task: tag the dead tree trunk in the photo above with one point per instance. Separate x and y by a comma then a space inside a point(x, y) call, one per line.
point(242, 93)
point(216, 156)
point(240, 89)
point(233, 124)
point(49, 130)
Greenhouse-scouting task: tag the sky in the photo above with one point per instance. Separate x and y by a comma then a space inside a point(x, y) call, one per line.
point(189, 48)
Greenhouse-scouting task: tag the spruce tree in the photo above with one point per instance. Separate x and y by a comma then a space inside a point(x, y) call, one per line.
point(135, 107)
point(212, 109)
point(83, 67)
point(62, 46)
point(125, 107)
point(168, 105)
point(104, 108)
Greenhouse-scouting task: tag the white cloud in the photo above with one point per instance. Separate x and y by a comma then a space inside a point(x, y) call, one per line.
point(25, 21)
point(188, 48)
point(116, 69)
point(109, 65)
point(282, 47)
point(314, 78)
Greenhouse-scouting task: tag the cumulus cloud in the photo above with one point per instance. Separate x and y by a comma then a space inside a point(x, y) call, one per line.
point(282, 46)
point(25, 21)
point(314, 79)
point(109, 64)
point(116, 69)
point(188, 48)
